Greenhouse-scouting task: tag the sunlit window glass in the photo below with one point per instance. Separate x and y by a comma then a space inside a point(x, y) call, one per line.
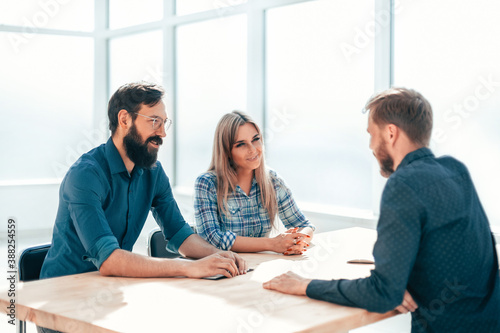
point(319, 76)
point(125, 13)
point(211, 81)
point(129, 62)
point(46, 102)
point(184, 7)
point(454, 62)
point(34, 15)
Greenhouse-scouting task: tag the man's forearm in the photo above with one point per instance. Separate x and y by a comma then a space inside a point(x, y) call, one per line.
point(196, 247)
point(360, 293)
point(128, 264)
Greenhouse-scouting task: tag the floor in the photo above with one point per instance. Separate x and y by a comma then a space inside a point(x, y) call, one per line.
point(399, 324)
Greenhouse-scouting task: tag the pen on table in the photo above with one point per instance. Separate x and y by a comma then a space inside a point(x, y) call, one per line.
point(361, 261)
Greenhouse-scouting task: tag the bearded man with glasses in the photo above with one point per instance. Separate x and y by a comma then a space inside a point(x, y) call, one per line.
point(107, 193)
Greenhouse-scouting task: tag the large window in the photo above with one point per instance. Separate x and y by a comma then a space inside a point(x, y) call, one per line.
point(34, 15)
point(450, 53)
point(211, 81)
point(302, 69)
point(136, 57)
point(47, 100)
point(46, 104)
point(196, 6)
point(126, 13)
point(315, 131)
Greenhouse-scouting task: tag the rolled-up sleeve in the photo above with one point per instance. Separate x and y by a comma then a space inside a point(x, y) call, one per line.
point(208, 224)
point(288, 211)
point(83, 192)
point(168, 215)
point(101, 250)
point(179, 237)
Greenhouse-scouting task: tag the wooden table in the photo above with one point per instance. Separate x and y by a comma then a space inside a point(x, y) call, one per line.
point(92, 303)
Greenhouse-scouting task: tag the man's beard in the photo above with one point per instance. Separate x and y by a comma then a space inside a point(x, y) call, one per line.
point(138, 152)
point(385, 160)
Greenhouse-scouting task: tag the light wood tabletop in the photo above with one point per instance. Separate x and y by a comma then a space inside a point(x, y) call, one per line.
point(93, 303)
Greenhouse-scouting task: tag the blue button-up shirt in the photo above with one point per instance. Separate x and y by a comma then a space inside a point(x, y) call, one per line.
point(246, 217)
point(103, 208)
point(434, 240)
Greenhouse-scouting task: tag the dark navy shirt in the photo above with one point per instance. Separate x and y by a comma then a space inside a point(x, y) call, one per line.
point(103, 208)
point(434, 240)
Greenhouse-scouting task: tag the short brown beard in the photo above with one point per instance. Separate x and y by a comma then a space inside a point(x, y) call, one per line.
point(385, 160)
point(138, 151)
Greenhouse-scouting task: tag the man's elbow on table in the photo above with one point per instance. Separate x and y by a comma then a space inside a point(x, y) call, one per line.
point(385, 302)
point(111, 265)
point(105, 270)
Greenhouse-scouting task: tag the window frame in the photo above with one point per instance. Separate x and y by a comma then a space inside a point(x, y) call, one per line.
point(256, 71)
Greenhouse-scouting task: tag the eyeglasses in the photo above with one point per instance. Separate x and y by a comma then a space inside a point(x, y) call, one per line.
point(157, 122)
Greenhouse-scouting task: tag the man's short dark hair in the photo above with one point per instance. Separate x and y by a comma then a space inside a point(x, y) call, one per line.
point(131, 97)
point(405, 108)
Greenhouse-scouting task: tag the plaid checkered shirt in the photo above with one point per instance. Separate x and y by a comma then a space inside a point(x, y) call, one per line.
point(246, 216)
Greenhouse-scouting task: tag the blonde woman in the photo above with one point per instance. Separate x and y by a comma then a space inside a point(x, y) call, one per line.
point(237, 200)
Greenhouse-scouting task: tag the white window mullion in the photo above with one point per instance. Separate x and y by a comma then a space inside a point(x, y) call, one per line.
point(169, 83)
point(256, 84)
point(384, 77)
point(384, 23)
point(101, 68)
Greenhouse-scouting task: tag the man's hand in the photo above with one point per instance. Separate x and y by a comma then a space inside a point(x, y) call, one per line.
point(224, 263)
point(408, 305)
point(289, 283)
point(240, 263)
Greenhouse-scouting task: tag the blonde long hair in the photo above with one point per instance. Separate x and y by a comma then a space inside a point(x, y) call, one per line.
point(225, 170)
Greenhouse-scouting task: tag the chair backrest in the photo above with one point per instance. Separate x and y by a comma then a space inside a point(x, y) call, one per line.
point(31, 261)
point(157, 245)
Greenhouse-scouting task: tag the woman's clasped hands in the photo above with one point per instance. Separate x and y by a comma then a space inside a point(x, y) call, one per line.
point(291, 242)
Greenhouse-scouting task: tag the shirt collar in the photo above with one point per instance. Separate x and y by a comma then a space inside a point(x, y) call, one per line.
point(114, 158)
point(415, 155)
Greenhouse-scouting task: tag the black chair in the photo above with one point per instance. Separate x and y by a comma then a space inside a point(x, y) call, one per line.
point(157, 245)
point(30, 265)
point(31, 261)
